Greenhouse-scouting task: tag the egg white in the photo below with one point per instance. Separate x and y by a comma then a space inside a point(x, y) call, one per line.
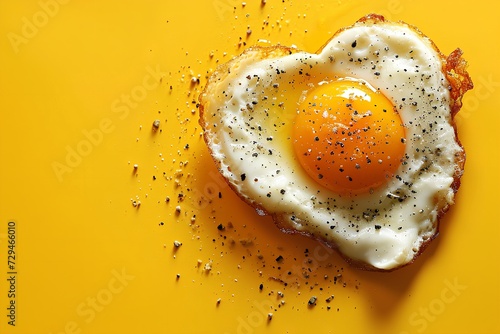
point(248, 117)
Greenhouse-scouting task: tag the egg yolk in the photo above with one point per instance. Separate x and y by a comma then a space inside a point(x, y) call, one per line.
point(348, 136)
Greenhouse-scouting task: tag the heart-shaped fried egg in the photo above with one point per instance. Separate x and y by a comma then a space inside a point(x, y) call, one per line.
point(354, 145)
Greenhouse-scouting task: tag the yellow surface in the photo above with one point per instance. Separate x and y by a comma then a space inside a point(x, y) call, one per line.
point(81, 83)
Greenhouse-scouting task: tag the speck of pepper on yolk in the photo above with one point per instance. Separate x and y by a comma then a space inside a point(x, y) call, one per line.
point(348, 136)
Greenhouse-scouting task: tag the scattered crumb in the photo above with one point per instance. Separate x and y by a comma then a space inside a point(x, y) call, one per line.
point(156, 125)
point(208, 266)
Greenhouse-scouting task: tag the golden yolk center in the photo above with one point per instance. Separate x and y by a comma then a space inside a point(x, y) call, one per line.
point(348, 137)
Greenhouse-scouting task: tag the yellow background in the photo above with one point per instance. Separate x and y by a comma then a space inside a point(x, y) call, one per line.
point(81, 83)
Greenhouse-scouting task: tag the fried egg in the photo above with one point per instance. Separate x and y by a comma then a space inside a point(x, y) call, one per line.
point(354, 145)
